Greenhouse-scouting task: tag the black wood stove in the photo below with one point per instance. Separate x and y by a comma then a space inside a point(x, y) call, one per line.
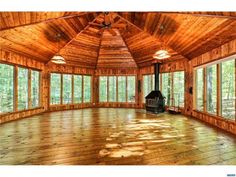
point(155, 101)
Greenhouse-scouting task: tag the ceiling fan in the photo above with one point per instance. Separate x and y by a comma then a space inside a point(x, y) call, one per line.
point(109, 24)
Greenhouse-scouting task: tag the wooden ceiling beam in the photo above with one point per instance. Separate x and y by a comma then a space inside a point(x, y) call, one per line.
point(142, 30)
point(99, 47)
point(204, 14)
point(129, 50)
point(86, 27)
point(47, 20)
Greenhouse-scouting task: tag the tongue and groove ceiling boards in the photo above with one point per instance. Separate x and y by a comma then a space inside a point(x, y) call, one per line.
point(85, 44)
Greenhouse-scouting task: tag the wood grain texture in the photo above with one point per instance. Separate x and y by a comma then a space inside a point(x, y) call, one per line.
point(113, 137)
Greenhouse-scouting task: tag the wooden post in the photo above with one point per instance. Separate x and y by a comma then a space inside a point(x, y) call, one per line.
point(72, 88)
point(15, 97)
point(29, 89)
point(219, 90)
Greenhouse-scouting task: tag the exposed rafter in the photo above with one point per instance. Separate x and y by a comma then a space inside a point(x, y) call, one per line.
point(86, 27)
point(207, 14)
point(129, 50)
point(142, 30)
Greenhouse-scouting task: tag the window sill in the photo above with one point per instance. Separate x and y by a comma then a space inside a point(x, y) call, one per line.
point(16, 112)
point(216, 117)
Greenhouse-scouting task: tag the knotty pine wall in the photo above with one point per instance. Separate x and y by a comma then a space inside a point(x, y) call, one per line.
point(223, 51)
point(169, 66)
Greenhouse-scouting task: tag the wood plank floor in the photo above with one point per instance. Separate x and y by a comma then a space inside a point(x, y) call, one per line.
point(113, 136)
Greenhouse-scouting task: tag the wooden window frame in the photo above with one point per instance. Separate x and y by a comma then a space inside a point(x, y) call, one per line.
point(218, 86)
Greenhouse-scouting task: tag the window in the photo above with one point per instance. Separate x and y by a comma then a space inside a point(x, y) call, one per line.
point(87, 89)
point(77, 89)
point(55, 92)
point(22, 88)
point(219, 89)
point(121, 89)
point(6, 88)
point(166, 87)
point(148, 85)
point(103, 88)
point(35, 88)
point(178, 88)
point(228, 89)
point(199, 89)
point(67, 88)
point(112, 88)
point(131, 89)
point(211, 89)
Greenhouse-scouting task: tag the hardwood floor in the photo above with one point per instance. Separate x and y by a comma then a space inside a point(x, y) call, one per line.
point(113, 136)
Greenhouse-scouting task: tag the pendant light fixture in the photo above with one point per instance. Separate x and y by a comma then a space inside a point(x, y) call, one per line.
point(57, 58)
point(162, 53)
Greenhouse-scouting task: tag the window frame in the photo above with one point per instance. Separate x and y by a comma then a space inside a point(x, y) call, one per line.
point(15, 87)
point(218, 64)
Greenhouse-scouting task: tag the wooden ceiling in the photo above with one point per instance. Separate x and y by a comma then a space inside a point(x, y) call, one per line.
point(183, 34)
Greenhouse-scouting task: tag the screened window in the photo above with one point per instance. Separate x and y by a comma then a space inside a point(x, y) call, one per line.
point(103, 88)
point(22, 88)
point(131, 89)
point(87, 89)
point(112, 88)
point(199, 89)
point(228, 89)
point(67, 88)
point(55, 89)
point(166, 87)
point(178, 88)
point(148, 85)
point(35, 88)
point(6, 88)
point(211, 89)
point(121, 89)
point(77, 89)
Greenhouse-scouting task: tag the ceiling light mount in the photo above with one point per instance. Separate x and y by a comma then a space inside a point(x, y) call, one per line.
point(57, 58)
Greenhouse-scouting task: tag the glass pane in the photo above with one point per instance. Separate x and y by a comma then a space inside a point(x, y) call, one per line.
point(211, 89)
point(179, 89)
point(112, 88)
point(6, 88)
point(103, 88)
point(55, 92)
point(131, 88)
point(148, 85)
point(87, 89)
point(35, 88)
point(121, 89)
point(166, 88)
point(153, 82)
point(199, 89)
point(67, 88)
point(22, 88)
point(77, 89)
point(228, 89)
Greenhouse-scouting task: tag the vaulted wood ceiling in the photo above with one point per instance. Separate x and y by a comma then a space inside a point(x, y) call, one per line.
point(183, 34)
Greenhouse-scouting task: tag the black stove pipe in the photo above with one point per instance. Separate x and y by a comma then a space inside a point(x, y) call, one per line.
point(156, 75)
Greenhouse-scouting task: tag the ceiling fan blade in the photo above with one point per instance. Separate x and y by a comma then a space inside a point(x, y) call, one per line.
point(118, 25)
point(95, 24)
point(113, 33)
